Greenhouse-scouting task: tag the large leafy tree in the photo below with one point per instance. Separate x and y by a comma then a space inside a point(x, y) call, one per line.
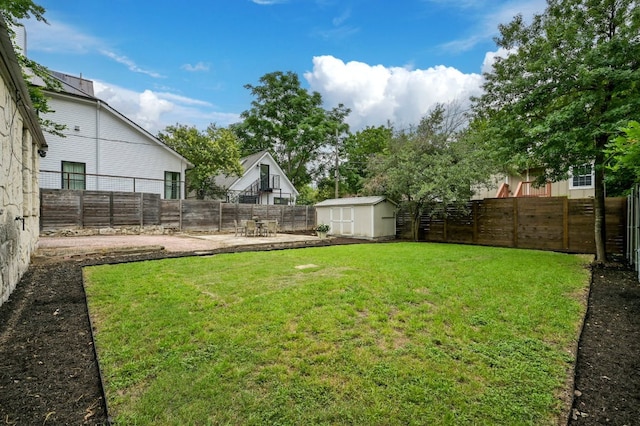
point(569, 81)
point(430, 167)
point(290, 122)
point(212, 152)
point(353, 154)
point(625, 153)
point(13, 11)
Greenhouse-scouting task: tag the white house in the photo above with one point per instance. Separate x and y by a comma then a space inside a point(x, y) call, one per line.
point(359, 217)
point(22, 145)
point(263, 182)
point(104, 150)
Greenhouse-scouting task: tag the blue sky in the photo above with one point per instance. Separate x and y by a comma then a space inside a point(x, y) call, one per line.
point(187, 62)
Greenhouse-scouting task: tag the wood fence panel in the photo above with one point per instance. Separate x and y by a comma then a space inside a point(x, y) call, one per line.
point(495, 222)
point(581, 226)
point(616, 225)
point(126, 209)
point(150, 209)
point(60, 210)
point(170, 213)
point(433, 229)
point(200, 215)
point(555, 223)
point(540, 223)
point(96, 209)
point(71, 209)
point(459, 225)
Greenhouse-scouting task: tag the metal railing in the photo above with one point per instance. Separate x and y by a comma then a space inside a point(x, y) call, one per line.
point(527, 189)
point(50, 179)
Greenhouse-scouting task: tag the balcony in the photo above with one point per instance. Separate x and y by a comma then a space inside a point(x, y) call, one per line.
point(525, 189)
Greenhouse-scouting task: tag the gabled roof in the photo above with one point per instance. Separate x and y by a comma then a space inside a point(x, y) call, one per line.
point(82, 90)
point(247, 164)
point(354, 201)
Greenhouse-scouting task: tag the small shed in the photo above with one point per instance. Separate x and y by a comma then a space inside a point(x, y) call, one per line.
point(359, 217)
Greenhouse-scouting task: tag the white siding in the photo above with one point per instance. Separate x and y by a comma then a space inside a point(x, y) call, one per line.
point(252, 174)
point(108, 144)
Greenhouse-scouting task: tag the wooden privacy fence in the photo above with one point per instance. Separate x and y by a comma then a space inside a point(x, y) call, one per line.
point(62, 209)
point(555, 223)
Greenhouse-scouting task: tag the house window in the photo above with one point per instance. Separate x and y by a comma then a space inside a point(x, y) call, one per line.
point(264, 177)
point(74, 175)
point(281, 201)
point(582, 177)
point(171, 185)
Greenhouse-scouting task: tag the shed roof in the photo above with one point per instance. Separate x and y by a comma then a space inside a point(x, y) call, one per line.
point(354, 201)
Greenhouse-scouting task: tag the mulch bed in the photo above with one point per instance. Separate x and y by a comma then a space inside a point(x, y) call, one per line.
point(49, 375)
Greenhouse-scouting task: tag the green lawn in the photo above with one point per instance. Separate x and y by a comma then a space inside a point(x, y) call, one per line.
point(374, 334)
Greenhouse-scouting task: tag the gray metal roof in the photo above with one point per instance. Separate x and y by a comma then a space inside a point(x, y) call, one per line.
point(354, 201)
point(247, 162)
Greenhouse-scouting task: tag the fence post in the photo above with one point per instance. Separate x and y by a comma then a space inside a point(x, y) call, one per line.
point(141, 210)
point(474, 207)
point(565, 223)
point(220, 216)
point(110, 209)
point(81, 209)
point(180, 214)
point(515, 221)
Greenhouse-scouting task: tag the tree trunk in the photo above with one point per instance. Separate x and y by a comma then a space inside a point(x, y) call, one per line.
point(599, 206)
point(415, 224)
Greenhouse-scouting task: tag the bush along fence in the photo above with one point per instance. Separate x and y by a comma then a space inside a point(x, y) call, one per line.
point(73, 210)
point(554, 223)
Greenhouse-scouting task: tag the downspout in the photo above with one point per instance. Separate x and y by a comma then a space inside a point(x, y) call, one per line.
point(98, 144)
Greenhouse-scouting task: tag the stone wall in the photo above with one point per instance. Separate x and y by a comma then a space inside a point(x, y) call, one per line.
point(21, 139)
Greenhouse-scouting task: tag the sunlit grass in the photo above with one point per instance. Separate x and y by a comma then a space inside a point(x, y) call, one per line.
point(402, 333)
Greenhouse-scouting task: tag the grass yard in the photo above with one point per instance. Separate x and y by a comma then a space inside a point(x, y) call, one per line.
point(369, 334)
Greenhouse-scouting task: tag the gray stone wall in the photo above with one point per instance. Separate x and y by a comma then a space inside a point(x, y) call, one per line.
point(19, 201)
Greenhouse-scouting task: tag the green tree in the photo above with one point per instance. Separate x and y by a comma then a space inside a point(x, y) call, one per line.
point(625, 153)
point(13, 11)
point(569, 81)
point(290, 122)
point(430, 167)
point(308, 196)
point(212, 152)
point(358, 149)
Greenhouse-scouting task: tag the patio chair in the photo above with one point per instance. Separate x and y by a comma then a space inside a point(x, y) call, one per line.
point(272, 228)
point(251, 228)
point(240, 229)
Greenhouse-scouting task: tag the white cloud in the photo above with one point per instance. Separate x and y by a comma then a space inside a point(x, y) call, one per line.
point(488, 17)
point(200, 66)
point(153, 110)
point(490, 59)
point(377, 94)
point(58, 37)
point(128, 63)
point(268, 2)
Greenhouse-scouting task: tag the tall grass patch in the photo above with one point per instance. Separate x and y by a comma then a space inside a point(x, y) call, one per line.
point(402, 333)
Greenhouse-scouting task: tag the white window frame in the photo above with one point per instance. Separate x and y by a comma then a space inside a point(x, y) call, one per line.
point(590, 186)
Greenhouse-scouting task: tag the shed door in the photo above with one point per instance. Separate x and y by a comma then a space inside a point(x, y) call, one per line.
point(342, 220)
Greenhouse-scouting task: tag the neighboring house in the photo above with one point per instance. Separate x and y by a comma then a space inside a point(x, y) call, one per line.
point(579, 185)
point(22, 145)
point(104, 150)
point(359, 217)
point(263, 182)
